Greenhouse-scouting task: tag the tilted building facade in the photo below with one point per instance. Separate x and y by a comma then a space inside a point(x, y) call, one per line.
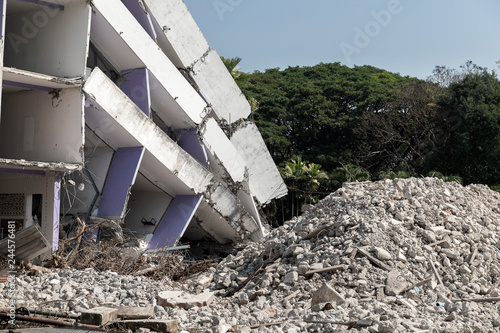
point(119, 109)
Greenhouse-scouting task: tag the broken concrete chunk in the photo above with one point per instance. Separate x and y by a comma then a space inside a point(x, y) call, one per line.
point(303, 268)
point(291, 277)
point(184, 299)
point(386, 327)
point(437, 229)
point(451, 219)
point(454, 255)
point(429, 235)
point(133, 312)
point(99, 316)
point(451, 317)
point(315, 266)
point(382, 254)
point(401, 256)
point(395, 284)
point(326, 294)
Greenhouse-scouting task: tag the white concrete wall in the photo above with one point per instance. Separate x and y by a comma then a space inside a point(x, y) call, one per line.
point(146, 205)
point(265, 181)
point(49, 41)
point(183, 40)
point(217, 84)
point(219, 145)
point(37, 126)
point(11, 183)
point(127, 45)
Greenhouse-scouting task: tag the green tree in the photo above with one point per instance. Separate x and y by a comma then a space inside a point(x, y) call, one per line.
point(471, 146)
point(313, 111)
point(303, 180)
point(233, 68)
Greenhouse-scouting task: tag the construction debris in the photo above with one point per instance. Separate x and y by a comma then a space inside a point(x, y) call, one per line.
point(413, 255)
point(134, 312)
point(185, 300)
point(99, 316)
point(30, 243)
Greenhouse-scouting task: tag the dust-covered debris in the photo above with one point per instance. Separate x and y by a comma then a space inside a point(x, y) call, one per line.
point(412, 255)
point(405, 254)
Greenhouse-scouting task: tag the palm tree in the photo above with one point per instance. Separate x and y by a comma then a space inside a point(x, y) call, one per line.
point(233, 68)
point(304, 180)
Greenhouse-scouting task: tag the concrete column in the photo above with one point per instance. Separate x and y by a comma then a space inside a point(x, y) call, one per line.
point(136, 86)
point(175, 221)
point(121, 176)
point(57, 210)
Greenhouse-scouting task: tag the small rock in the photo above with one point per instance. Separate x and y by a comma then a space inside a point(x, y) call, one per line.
point(395, 284)
point(451, 317)
point(291, 277)
point(386, 327)
point(382, 254)
point(326, 294)
point(243, 299)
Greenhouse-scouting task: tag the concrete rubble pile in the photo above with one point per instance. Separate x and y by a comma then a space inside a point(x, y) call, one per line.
point(402, 254)
point(409, 255)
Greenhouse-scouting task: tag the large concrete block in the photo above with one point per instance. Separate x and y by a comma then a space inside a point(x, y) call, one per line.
point(184, 299)
point(217, 84)
point(99, 316)
point(265, 181)
point(133, 312)
point(178, 33)
point(219, 145)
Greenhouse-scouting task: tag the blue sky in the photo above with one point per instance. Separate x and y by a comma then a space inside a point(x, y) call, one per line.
point(403, 36)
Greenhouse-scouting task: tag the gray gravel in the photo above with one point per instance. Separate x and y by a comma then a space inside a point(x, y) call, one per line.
point(434, 247)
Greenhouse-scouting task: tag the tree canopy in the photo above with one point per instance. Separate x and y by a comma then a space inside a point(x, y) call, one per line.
point(313, 111)
point(367, 123)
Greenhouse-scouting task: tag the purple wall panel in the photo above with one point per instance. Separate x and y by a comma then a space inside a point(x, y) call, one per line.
point(121, 176)
point(136, 87)
point(190, 142)
point(57, 210)
point(175, 221)
point(141, 16)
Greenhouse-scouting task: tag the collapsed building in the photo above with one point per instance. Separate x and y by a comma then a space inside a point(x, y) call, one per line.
point(120, 110)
